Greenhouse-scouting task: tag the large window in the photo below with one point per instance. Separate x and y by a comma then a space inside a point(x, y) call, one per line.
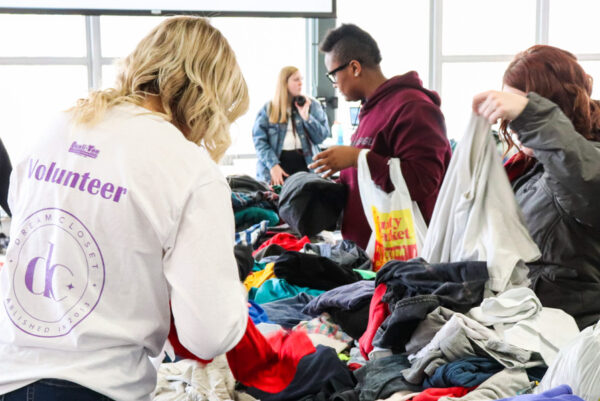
point(401, 30)
point(114, 45)
point(42, 70)
point(572, 26)
point(273, 44)
point(458, 47)
point(478, 39)
point(461, 81)
point(262, 46)
point(475, 27)
point(42, 36)
point(42, 74)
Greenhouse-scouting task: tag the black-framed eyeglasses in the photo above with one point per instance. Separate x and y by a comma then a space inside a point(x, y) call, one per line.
point(332, 74)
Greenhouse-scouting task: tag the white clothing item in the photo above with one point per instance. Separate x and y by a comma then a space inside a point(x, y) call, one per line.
point(268, 328)
point(110, 224)
point(476, 216)
point(190, 380)
point(329, 237)
point(511, 306)
point(322, 339)
point(291, 141)
point(577, 365)
point(545, 333)
point(378, 353)
point(519, 319)
point(454, 340)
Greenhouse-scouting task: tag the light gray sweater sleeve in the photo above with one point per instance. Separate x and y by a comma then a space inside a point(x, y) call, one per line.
point(571, 162)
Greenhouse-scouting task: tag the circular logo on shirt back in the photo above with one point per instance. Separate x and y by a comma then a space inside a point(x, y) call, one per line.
point(57, 274)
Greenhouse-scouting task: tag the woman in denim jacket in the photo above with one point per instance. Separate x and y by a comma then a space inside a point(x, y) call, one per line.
point(546, 105)
point(287, 130)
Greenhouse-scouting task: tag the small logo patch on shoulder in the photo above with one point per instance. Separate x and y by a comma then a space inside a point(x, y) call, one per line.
point(84, 150)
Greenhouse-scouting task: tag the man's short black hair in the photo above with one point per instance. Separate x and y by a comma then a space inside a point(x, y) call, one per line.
point(348, 42)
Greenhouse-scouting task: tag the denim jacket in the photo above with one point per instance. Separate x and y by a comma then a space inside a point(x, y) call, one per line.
point(268, 138)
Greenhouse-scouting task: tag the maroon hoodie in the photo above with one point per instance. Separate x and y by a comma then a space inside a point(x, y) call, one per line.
point(401, 119)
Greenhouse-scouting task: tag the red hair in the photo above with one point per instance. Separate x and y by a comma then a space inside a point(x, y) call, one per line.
point(556, 75)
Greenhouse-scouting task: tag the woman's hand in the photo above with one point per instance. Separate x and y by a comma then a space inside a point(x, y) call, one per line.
point(334, 159)
point(494, 105)
point(304, 110)
point(277, 175)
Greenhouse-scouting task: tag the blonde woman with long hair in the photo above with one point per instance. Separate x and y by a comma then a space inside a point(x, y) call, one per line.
point(119, 212)
point(288, 130)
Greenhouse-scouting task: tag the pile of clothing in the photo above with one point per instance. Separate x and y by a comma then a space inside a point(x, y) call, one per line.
point(324, 326)
point(255, 208)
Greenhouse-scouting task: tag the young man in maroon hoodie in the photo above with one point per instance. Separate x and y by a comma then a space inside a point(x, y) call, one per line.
point(399, 118)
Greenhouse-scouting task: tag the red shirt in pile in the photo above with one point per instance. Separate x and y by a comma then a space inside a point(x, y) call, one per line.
point(268, 364)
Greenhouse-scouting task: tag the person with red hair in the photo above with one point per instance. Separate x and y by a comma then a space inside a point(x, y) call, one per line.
point(547, 113)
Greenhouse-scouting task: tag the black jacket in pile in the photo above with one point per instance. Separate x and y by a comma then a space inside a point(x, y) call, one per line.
point(313, 271)
point(311, 204)
point(245, 183)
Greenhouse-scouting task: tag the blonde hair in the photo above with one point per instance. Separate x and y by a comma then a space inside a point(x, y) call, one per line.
point(190, 65)
point(281, 101)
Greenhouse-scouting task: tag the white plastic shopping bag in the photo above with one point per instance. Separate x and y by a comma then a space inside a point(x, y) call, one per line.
point(577, 365)
point(398, 228)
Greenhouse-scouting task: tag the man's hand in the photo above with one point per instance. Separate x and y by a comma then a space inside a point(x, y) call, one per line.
point(334, 159)
point(277, 175)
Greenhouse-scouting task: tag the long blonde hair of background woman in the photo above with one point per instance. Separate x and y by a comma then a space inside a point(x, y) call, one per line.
point(190, 64)
point(281, 101)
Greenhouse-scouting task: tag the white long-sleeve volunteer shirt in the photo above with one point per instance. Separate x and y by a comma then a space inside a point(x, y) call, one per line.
point(110, 223)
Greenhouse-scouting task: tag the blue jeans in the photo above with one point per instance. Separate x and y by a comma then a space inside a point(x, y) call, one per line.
point(53, 390)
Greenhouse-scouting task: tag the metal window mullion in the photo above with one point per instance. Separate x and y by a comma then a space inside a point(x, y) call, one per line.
point(435, 44)
point(542, 23)
point(479, 58)
point(312, 42)
point(108, 60)
point(588, 57)
point(94, 54)
point(43, 61)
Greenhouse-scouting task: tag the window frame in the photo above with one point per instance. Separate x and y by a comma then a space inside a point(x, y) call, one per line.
point(94, 61)
point(437, 58)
